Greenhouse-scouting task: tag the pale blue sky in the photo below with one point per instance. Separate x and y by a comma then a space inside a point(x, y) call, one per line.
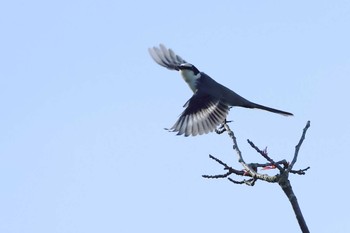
point(83, 107)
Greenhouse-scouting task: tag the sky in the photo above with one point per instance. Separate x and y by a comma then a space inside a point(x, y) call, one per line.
point(84, 107)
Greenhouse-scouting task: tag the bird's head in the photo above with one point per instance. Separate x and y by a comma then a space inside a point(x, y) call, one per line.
point(188, 67)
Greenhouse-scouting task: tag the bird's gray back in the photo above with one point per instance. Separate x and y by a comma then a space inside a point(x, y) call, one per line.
point(209, 86)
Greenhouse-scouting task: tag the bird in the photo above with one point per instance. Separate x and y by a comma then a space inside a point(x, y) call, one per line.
point(210, 103)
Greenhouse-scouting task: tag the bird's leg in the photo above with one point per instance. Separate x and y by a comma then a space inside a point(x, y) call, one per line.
point(221, 128)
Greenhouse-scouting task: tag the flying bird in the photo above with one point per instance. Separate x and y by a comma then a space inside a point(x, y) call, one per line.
point(211, 101)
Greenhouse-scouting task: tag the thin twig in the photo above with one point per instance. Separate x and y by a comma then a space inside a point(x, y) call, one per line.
point(226, 167)
point(297, 147)
point(264, 154)
point(300, 171)
point(239, 153)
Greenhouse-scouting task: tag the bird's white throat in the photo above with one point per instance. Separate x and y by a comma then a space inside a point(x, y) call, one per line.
point(190, 78)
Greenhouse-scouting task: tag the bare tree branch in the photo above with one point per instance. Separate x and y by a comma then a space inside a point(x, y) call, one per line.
point(297, 147)
point(263, 153)
point(251, 170)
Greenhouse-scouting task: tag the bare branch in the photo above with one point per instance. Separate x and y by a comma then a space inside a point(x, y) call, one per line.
point(297, 147)
point(226, 167)
point(288, 190)
point(237, 182)
point(281, 162)
point(300, 171)
point(264, 154)
point(249, 182)
point(251, 170)
point(239, 153)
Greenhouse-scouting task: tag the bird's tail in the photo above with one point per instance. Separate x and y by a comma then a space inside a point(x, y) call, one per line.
point(254, 105)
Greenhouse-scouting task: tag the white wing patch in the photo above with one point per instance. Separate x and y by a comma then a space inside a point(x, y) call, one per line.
point(201, 116)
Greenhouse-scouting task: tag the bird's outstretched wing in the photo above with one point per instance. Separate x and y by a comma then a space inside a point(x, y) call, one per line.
point(202, 115)
point(166, 57)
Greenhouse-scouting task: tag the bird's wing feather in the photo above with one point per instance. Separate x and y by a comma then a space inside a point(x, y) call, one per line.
point(202, 115)
point(166, 57)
